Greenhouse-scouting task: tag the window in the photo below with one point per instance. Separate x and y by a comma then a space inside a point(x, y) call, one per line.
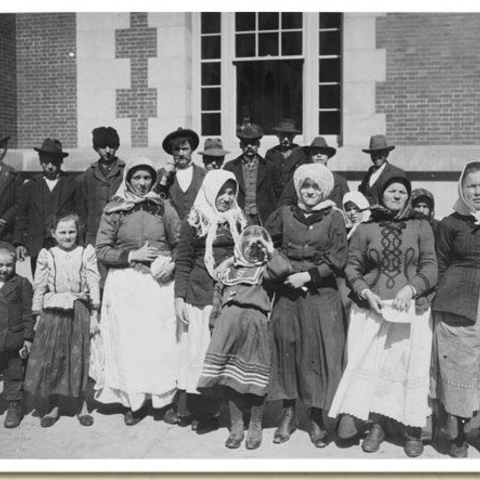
point(210, 76)
point(330, 73)
point(269, 54)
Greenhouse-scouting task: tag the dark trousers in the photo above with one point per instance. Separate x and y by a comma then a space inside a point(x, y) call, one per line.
point(12, 368)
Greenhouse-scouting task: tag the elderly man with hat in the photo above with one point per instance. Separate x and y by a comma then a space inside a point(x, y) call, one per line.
point(287, 156)
point(180, 179)
point(318, 152)
point(10, 188)
point(378, 150)
point(259, 181)
point(42, 198)
point(213, 154)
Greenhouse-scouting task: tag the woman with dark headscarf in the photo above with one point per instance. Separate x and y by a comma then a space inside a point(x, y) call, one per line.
point(423, 202)
point(307, 317)
point(456, 378)
point(391, 267)
point(136, 241)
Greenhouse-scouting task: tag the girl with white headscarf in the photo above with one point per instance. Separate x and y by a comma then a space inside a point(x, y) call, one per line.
point(307, 317)
point(354, 209)
point(456, 355)
point(138, 326)
point(207, 239)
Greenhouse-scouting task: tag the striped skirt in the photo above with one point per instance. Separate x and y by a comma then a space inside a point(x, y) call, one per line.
point(239, 352)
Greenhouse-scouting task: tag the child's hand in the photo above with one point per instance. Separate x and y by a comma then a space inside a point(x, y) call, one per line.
point(25, 350)
point(94, 325)
point(297, 280)
point(222, 268)
point(267, 246)
point(181, 310)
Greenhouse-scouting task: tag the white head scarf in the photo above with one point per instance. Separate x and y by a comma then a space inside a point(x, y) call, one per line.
point(322, 176)
point(361, 202)
point(205, 217)
point(461, 206)
point(125, 197)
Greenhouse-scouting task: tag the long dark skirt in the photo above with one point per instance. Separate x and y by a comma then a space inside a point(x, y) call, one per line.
point(58, 362)
point(308, 346)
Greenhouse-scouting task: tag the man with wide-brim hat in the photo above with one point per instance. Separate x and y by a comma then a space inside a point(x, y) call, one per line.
point(213, 154)
point(259, 182)
point(180, 179)
point(45, 196)
point(287, 156)
point(318, 152)
point(379, 150)
point(10, 188)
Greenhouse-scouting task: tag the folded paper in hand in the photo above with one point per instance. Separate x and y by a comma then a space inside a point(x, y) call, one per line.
point(393, 315)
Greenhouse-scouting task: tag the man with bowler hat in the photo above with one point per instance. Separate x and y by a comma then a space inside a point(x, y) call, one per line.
point(259, 182)
point(10, 188)
point(287, 156)
point(46, 195)
point(318, 152)
point(213, 154)
point(379, 150)
point(180, 179)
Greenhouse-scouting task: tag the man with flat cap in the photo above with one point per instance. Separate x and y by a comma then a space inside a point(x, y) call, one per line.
point(180, 179)
point(287, 156)
point(10, 189)
point(379, 150)
point(259, 182)
point(42, 198)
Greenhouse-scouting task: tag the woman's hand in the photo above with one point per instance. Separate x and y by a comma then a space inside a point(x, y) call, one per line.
point(181, 310)
point(37, 319)
point(374, 301)
point(297, 280)
point(267, 246)
point(166, 272)
point(94, 325)
point(145, 253)
point(403, 299)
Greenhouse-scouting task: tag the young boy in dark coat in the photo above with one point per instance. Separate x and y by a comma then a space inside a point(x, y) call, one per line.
point(16, 331)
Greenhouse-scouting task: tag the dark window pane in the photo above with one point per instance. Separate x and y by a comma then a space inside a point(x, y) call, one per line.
point(330, 20)
point(292, 20)
point(210, 99)
point(211, 47)
point(267, 44)
point(270, 90)
point(292, 43)
point(245, 45)
point(211, 124)
point(210, 22)
point(329, 123)
point(330, 70)
point(330, 96)
point(244, 21)
point(211, 73)
point(268, 21)
point(330, 42)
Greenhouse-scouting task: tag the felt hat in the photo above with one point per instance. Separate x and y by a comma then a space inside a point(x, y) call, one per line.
point(320, 144)
point(105, 136)
point(249, 131)
point(213, 147)
point(287, 125)
point(180, 132)
point(53, 147)
point(378, 143)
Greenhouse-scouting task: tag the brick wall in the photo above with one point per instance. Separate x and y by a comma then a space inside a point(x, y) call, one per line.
point(431, 94)
point(8, 78)
point(46, 78)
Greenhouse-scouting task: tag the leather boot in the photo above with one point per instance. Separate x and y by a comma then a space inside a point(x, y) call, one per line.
point(254, 434)
point(14, 414)
point(458, 447)
point(287, 423)
point(451, 428)
point(317, 432)
point(235, 404)
point(472, 427)
point(373, 440)
point(413, 442)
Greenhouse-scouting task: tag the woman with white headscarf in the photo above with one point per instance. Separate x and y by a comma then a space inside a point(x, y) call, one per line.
point(456, 356)
point(136, 241)
point(207, 238)
point(307, 317)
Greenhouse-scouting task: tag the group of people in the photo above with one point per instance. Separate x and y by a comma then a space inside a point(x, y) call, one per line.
point(261, 279)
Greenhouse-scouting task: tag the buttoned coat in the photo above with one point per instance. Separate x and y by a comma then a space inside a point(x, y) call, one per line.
point(373, 193)
point(287, 166)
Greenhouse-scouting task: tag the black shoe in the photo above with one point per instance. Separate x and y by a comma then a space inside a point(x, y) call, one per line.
point(206, 425)
point(14, 415)
point(413, 447)
point(132, 418)
point(318, 435)
point(85, 420)
point(287, 425)
point(48, 421)
point(347, 427)
point(171, 417)
point(374, 439)
point(458, 448)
